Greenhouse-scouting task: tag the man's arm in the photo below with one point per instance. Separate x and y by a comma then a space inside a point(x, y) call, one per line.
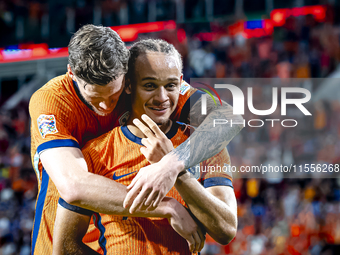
point(67, 168)
point(205, 142)
point(100, 194)
point(70, 226)
point(215, 207)
point(85, 189)
point(69, 230)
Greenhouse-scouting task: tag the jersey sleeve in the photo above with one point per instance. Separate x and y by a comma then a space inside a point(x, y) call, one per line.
point(216, 171)
point(51, 123)
point(74, 208)
point(187, 97)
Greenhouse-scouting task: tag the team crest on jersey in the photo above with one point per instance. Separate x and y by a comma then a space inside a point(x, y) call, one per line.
point(184, 88)
point(123, 119)
point(47, 125)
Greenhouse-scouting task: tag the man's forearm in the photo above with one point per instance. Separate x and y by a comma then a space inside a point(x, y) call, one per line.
point(68, 170)
point(69, 230)
point(101, 194)
point(70, 227)
point(217, 216)
point(207, 140)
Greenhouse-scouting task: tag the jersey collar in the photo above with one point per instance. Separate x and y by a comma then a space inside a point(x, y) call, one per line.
point(127, 133)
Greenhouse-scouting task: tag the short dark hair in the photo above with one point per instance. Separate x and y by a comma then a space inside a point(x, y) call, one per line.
point(150, 45)
point(97, 54)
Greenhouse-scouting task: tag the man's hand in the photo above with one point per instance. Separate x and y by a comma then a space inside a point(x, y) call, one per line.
point(152, 183)
point(183, 223)
point(157, 145)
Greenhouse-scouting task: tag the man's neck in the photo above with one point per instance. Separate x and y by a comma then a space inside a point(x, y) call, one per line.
point(165, 128)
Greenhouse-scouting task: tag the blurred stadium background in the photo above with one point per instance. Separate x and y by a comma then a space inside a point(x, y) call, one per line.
point(217, 38)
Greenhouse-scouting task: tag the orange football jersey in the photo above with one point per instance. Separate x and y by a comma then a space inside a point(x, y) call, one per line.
point(60, 118)
point(116, 155)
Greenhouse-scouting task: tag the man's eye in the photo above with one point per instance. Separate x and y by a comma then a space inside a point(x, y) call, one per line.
point(149, 86)
point(171, 86)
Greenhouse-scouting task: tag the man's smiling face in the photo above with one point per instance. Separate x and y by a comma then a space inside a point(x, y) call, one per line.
point(156, 85)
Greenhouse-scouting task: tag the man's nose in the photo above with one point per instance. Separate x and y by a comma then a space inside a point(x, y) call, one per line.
point(162, 94)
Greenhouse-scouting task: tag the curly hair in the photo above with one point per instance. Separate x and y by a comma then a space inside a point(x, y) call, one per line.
point(150, 45)
point(97, 55)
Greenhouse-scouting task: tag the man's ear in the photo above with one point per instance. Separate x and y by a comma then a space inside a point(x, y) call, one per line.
point(127, 86)
point(70, 73)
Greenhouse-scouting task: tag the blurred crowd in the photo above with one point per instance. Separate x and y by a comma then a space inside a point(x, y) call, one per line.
point(302, 48)
point(18, 183)
point(279, 215)
point(289, 217)
point(276, 215)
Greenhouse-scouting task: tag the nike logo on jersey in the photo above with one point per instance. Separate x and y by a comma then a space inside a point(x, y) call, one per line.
point(115, 177)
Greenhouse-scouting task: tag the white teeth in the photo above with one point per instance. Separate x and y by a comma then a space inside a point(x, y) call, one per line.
point(158, 109)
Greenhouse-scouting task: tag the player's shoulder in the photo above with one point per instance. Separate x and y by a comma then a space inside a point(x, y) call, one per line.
point(56, 92)
point(57, 87)
point(56, 84)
